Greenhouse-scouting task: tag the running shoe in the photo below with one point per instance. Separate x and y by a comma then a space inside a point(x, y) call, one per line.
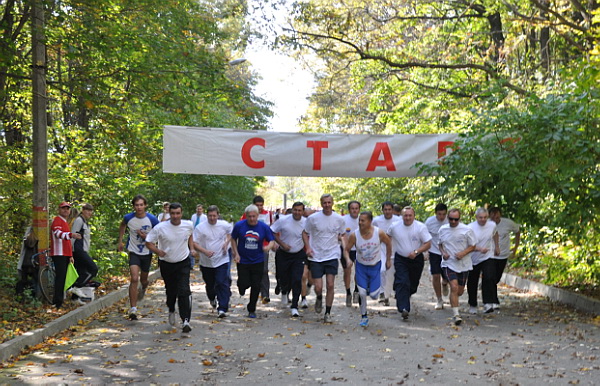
point(277, 289)
point(327, 318)
point(304, 304)
point(252, 315)
point(222, 314)
point(355, 297)
point(488, 308)
point(496, 306)
point(445, 290)
point(186, 326)
point(472, 310)
point(381, 298)
point(77, 291)
point(213, 303)
point(284, 298)
point(295, 313)
point(348, 300)
point(133, 313)
point(364, 322)
point(141, 293)
point(457, 320)
point(172, 318)
point(439, 305)
point(318, 305)
point(404, 314)
point(266, 300)
point(386, 302)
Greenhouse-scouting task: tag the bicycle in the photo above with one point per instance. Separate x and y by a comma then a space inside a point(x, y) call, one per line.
point(46, 275)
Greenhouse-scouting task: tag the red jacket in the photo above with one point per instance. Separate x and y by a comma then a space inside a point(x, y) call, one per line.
point(61, 238)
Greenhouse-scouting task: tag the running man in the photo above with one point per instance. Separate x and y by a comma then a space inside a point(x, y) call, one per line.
point(139, 223)
point(322, 234)
point(504, 227)
point(483, 263)
point(457, 241)
point(290, 256)
point(439, 281)
point(251, 241)
point(176, 244)
point(351, 220)
point(368, 241)
point(212, 239)
point(410, 238)
point(384, 222)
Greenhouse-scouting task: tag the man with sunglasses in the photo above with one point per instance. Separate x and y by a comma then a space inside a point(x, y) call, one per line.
point(457, 241)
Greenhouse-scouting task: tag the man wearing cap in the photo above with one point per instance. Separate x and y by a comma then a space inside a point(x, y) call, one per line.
point(85, 265)
point(61, 250)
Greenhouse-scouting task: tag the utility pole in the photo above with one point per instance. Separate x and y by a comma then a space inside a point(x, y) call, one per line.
point(40, 130)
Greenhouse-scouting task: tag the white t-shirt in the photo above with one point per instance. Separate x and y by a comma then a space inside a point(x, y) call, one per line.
point(213, 238)
point(351, 226)
point(196, 221)
point(383, 223)
point(324, 232)
point(406, 239)
point(173, 239)
point(162, 217)
point(290, 232)
point(433, 226)
point(368, 252)
point(457, 239)
point(504, 228)
point(485, 239)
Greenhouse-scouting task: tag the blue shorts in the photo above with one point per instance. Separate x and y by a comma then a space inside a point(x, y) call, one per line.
point(318, 269)
point(143, 261)
point(368, 277)
point(460, 277)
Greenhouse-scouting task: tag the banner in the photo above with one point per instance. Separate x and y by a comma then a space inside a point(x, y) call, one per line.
point(196, 150)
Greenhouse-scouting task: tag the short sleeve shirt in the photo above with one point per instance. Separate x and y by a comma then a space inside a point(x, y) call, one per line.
point(135, 243)
point(323, 234)
point(213, 238)
point(250, 240)
point(290, 232)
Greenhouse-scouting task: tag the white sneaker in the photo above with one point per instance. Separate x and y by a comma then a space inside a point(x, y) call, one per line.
point(172, 318)
point(439, 305)
point(472, 310)
point(496, 306)
point(457, 320)
point(488, 308)
point(295, 313)
point(133, 313)
point(327, 318)
point(445, 289)
point(78, 292)
point(304, 304)
point(222, 314)
point(284, 299)
point(186, 326)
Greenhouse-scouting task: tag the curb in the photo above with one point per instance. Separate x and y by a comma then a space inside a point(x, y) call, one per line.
point(15, 346)
point(580, 302)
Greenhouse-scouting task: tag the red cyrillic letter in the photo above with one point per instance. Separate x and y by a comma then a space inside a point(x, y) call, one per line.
point(387, 161)
point(317, 146)
point(444, 148)
point(247, 148)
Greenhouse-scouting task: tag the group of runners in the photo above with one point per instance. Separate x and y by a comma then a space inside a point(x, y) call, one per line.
point(386, 254)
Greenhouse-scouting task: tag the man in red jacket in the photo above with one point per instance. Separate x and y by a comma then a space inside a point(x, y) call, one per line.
point(61, 250)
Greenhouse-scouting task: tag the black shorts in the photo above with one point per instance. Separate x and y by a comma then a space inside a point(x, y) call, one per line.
point(460, 277)
point(352, 258)
point(435, 265)
point(143, 261)
point(318, 269)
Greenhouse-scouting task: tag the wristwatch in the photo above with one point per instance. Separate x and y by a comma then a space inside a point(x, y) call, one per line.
point(416, 252)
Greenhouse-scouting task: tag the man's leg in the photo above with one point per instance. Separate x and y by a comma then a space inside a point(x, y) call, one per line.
point(60, 269)
point(208, 275)
point(223, 287)
point(415, 270)
point(473, 283)
point(489, 289)
point(256, 276)
point(284, 271)
point(265, 282)
point(134, 282)
point(500, 266)
point(330, 282)
point(184, 293)
point(402, 284)
point(296, 273)
point(169, 275)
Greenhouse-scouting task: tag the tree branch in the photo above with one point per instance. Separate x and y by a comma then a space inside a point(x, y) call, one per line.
point(559, 16)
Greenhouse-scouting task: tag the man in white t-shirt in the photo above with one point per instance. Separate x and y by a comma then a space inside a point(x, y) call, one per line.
point(504, 227)
point(410, 238)
point(351, 220)
point(164, 215)
point(290, 256)
point(440, 283)
point(384, 222)
point(199, 216)
point(175, 240)
point(322, 234)
point(483, 264)
point(457, 241)
point(212, 239)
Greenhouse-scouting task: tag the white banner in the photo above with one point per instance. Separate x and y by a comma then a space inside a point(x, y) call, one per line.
point(198, 150)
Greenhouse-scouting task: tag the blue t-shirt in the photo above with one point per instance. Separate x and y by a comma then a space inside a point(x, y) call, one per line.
point(135, 243)
point(250, 240)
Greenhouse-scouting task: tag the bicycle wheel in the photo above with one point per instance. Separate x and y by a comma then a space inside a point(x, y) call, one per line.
point(46, 281)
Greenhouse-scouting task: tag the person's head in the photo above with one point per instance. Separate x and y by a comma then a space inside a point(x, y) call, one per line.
point(408, 215)
point(441, 210)
point(64, 209)
point(259, 201)
point(212, 214)
point(387, 208)
point(495, 214)
point(308, 212)
point(297, 210)
point(140, 204)
point(199, 209)
point(327, 204)
point(365, 219)
point(166, 206)
point(87, 210)
point(397, 210)
point(353, 208)
point(481, 215)
point(175, 213)
point(454, 217)
point(288, 211)
point(251, 212)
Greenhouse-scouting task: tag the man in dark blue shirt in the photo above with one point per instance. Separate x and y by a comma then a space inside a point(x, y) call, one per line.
point(248, 250)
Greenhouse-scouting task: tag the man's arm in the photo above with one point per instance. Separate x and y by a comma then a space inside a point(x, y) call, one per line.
point(496, 239)
point(191, 246)
point(351, 242)
point(309, 251)
point(465, 252)
point(234, 250)
point(154, 249)
point(281, 243)
point(384, 238)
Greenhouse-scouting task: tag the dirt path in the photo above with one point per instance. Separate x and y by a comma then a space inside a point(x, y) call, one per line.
point(531, 341)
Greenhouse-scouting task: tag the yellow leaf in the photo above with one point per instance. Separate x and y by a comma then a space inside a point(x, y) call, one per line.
point(308, 345)
point(172, 360)
point(261, 355)
point(438, 355)
point(207, 362)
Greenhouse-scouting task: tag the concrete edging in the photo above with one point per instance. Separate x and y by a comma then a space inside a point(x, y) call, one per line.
point(15, 346)
point(580, 302)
